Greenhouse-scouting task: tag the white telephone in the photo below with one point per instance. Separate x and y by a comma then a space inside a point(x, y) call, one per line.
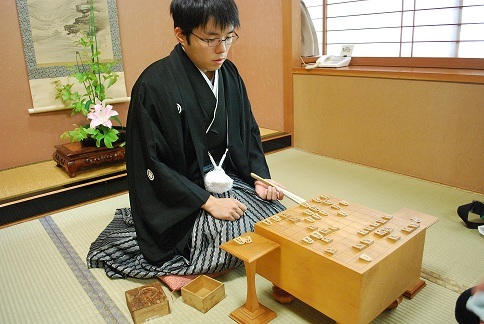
point(330, 61)
point(333, 61)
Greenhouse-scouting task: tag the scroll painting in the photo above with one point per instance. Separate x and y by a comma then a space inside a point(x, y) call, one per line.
point(49, 31)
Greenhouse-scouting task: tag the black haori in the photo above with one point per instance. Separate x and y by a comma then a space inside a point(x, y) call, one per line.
point(116, 248)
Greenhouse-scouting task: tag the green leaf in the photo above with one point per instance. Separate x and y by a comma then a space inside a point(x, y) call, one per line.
point(80, 77)
point(112, 135)
point(107, 142)
point(87, 106)
point(66, 96)
point(76, 135)
point(92, 131)
point(117, 119)
point(112, 80)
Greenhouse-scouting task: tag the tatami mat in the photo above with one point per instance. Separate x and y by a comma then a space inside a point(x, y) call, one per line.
point(39, 177)
point(433, 304)
point(267, 132)
point(81, 230)
point(44, 278)
point(82, 225)
point(37, 284)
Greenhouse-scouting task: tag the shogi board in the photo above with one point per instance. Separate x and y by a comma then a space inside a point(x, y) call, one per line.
point(348, 261)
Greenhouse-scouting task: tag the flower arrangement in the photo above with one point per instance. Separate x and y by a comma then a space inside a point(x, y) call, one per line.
point(96, 77)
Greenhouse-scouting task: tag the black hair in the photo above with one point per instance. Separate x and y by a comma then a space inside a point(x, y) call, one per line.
point(191, 14)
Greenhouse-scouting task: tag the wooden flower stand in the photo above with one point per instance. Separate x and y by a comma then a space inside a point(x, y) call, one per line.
point(252, 311)
point(73, 157)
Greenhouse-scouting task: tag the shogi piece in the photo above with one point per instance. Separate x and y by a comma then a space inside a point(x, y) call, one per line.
point(147, 302)
point(344, 283)
point(203, 293)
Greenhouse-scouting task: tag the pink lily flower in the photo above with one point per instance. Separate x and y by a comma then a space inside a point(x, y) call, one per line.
point(101, 115)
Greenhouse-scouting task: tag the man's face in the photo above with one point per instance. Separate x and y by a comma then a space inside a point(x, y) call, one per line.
point(208, 59)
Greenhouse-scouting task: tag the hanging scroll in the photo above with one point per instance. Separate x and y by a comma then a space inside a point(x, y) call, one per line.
point(49, 30)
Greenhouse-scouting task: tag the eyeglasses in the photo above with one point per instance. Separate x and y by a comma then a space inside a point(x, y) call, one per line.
point(214, 42)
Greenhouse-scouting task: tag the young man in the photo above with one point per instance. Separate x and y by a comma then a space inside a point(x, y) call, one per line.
point(189, 113)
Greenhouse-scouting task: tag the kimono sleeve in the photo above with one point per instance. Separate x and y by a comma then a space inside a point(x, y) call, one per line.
point(162, 187)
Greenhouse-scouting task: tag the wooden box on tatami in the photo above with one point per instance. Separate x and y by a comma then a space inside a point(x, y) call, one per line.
point(203, 293)
point(146, 302)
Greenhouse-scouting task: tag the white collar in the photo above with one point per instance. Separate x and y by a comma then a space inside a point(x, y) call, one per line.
point(214, 88)
point(214, 85)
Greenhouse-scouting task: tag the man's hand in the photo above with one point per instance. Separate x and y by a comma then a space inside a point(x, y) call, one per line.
point(479, 287)
point(268, 192)
point(224, 208)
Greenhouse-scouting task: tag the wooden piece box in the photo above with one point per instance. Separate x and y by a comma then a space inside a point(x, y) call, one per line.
point(147, 302)
point(203, 293)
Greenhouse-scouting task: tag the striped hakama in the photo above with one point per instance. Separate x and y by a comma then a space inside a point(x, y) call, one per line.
point(117, 251)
